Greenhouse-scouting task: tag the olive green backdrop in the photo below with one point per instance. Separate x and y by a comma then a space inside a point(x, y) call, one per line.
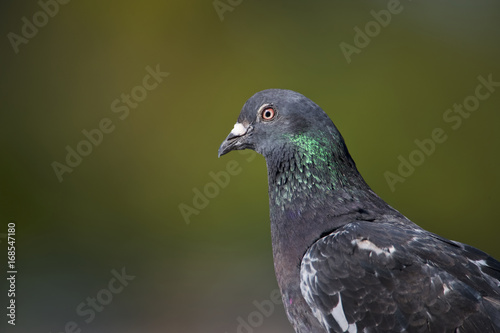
point(120, 206)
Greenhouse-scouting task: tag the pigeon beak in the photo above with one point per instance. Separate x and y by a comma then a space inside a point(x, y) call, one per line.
point(236, 139)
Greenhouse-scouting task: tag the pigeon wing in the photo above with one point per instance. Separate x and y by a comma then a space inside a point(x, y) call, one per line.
point(395, 277)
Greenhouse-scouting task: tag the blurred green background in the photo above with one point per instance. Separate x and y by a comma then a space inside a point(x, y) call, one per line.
point(120, 206)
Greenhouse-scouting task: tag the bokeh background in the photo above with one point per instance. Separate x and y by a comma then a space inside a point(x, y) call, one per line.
point(120, 207)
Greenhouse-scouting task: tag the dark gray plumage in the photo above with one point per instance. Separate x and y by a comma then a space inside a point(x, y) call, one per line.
point(345, 260)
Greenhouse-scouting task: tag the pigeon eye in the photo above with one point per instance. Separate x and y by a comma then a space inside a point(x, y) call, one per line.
point(268, 113)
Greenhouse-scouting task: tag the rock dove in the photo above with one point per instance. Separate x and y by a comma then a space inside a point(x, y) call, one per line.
point(345, 260)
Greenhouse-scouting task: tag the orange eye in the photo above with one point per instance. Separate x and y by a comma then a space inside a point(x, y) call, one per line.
point(268, 113)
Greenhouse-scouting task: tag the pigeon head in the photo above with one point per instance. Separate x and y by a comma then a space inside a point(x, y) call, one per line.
point(305, 153)
point(276, 120)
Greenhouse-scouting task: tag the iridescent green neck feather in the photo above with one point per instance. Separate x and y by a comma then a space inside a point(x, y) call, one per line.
point(311, 167)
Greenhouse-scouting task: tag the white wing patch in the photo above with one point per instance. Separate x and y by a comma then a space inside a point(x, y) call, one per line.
point(339, 316)
point(365, 244)
point(307, 280)
point(480, 263)
point(446, 289)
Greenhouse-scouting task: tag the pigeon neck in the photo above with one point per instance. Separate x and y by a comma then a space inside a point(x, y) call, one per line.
point(316, 173)
point(314, 189)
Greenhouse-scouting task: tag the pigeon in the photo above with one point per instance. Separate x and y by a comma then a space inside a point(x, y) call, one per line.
point(346, 261)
